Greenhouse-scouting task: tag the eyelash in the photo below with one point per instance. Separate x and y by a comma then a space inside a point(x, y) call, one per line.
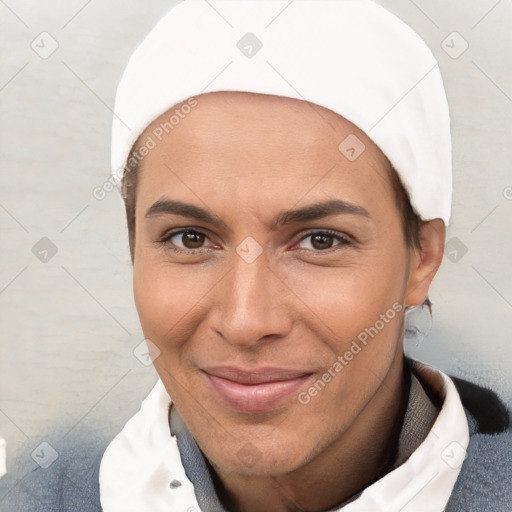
point(343, 239)
point(164, 240)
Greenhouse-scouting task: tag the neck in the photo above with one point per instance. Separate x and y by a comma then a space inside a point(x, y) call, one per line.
point(361, 455)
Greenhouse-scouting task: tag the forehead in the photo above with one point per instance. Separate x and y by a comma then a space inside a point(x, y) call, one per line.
point(219, 115)
point(249, 144)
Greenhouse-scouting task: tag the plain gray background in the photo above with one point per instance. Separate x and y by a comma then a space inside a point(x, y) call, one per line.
point(68, 325)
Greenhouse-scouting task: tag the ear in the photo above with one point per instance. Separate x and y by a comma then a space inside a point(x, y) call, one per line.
point(425, 262)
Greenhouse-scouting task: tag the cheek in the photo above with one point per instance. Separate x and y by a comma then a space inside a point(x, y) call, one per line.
point(168, 302)
point(358, 320)
point(347, 300)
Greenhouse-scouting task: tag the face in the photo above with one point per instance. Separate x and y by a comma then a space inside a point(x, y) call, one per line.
point(271, 272)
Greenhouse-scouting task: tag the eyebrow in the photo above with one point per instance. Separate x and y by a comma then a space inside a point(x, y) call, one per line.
point(319, 211)
point(308, 213)
point(171, 207)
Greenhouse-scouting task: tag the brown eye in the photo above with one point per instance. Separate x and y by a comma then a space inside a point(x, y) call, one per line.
point(320, 242)
point(192, 239)
point(323, 240)
point(185, 240)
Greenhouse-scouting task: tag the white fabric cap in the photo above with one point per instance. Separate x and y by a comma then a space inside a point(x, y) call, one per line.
point(350, 56)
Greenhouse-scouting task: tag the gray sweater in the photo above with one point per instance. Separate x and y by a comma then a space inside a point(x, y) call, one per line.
point(70, 484)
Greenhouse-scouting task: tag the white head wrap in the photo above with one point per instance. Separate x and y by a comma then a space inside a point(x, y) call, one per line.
point(350, 56)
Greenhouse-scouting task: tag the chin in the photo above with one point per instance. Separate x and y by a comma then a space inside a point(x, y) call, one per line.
point(265, 455)
point(250, 461)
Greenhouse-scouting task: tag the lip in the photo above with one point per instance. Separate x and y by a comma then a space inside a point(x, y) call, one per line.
point(255, 390)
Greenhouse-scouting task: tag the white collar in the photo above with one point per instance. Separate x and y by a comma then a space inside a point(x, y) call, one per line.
point(3, 457)
point(424, 482)
point(141, 469)
point(139, 465)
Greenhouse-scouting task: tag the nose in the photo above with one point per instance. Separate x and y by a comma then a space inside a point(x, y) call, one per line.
point(252, 304)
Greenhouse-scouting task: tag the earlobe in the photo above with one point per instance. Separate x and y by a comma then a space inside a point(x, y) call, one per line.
point(425, 261)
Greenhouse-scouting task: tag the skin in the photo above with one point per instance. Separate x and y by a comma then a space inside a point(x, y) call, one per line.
point(246, 158)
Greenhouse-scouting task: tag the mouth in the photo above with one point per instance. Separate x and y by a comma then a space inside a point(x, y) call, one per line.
point(255, 390)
